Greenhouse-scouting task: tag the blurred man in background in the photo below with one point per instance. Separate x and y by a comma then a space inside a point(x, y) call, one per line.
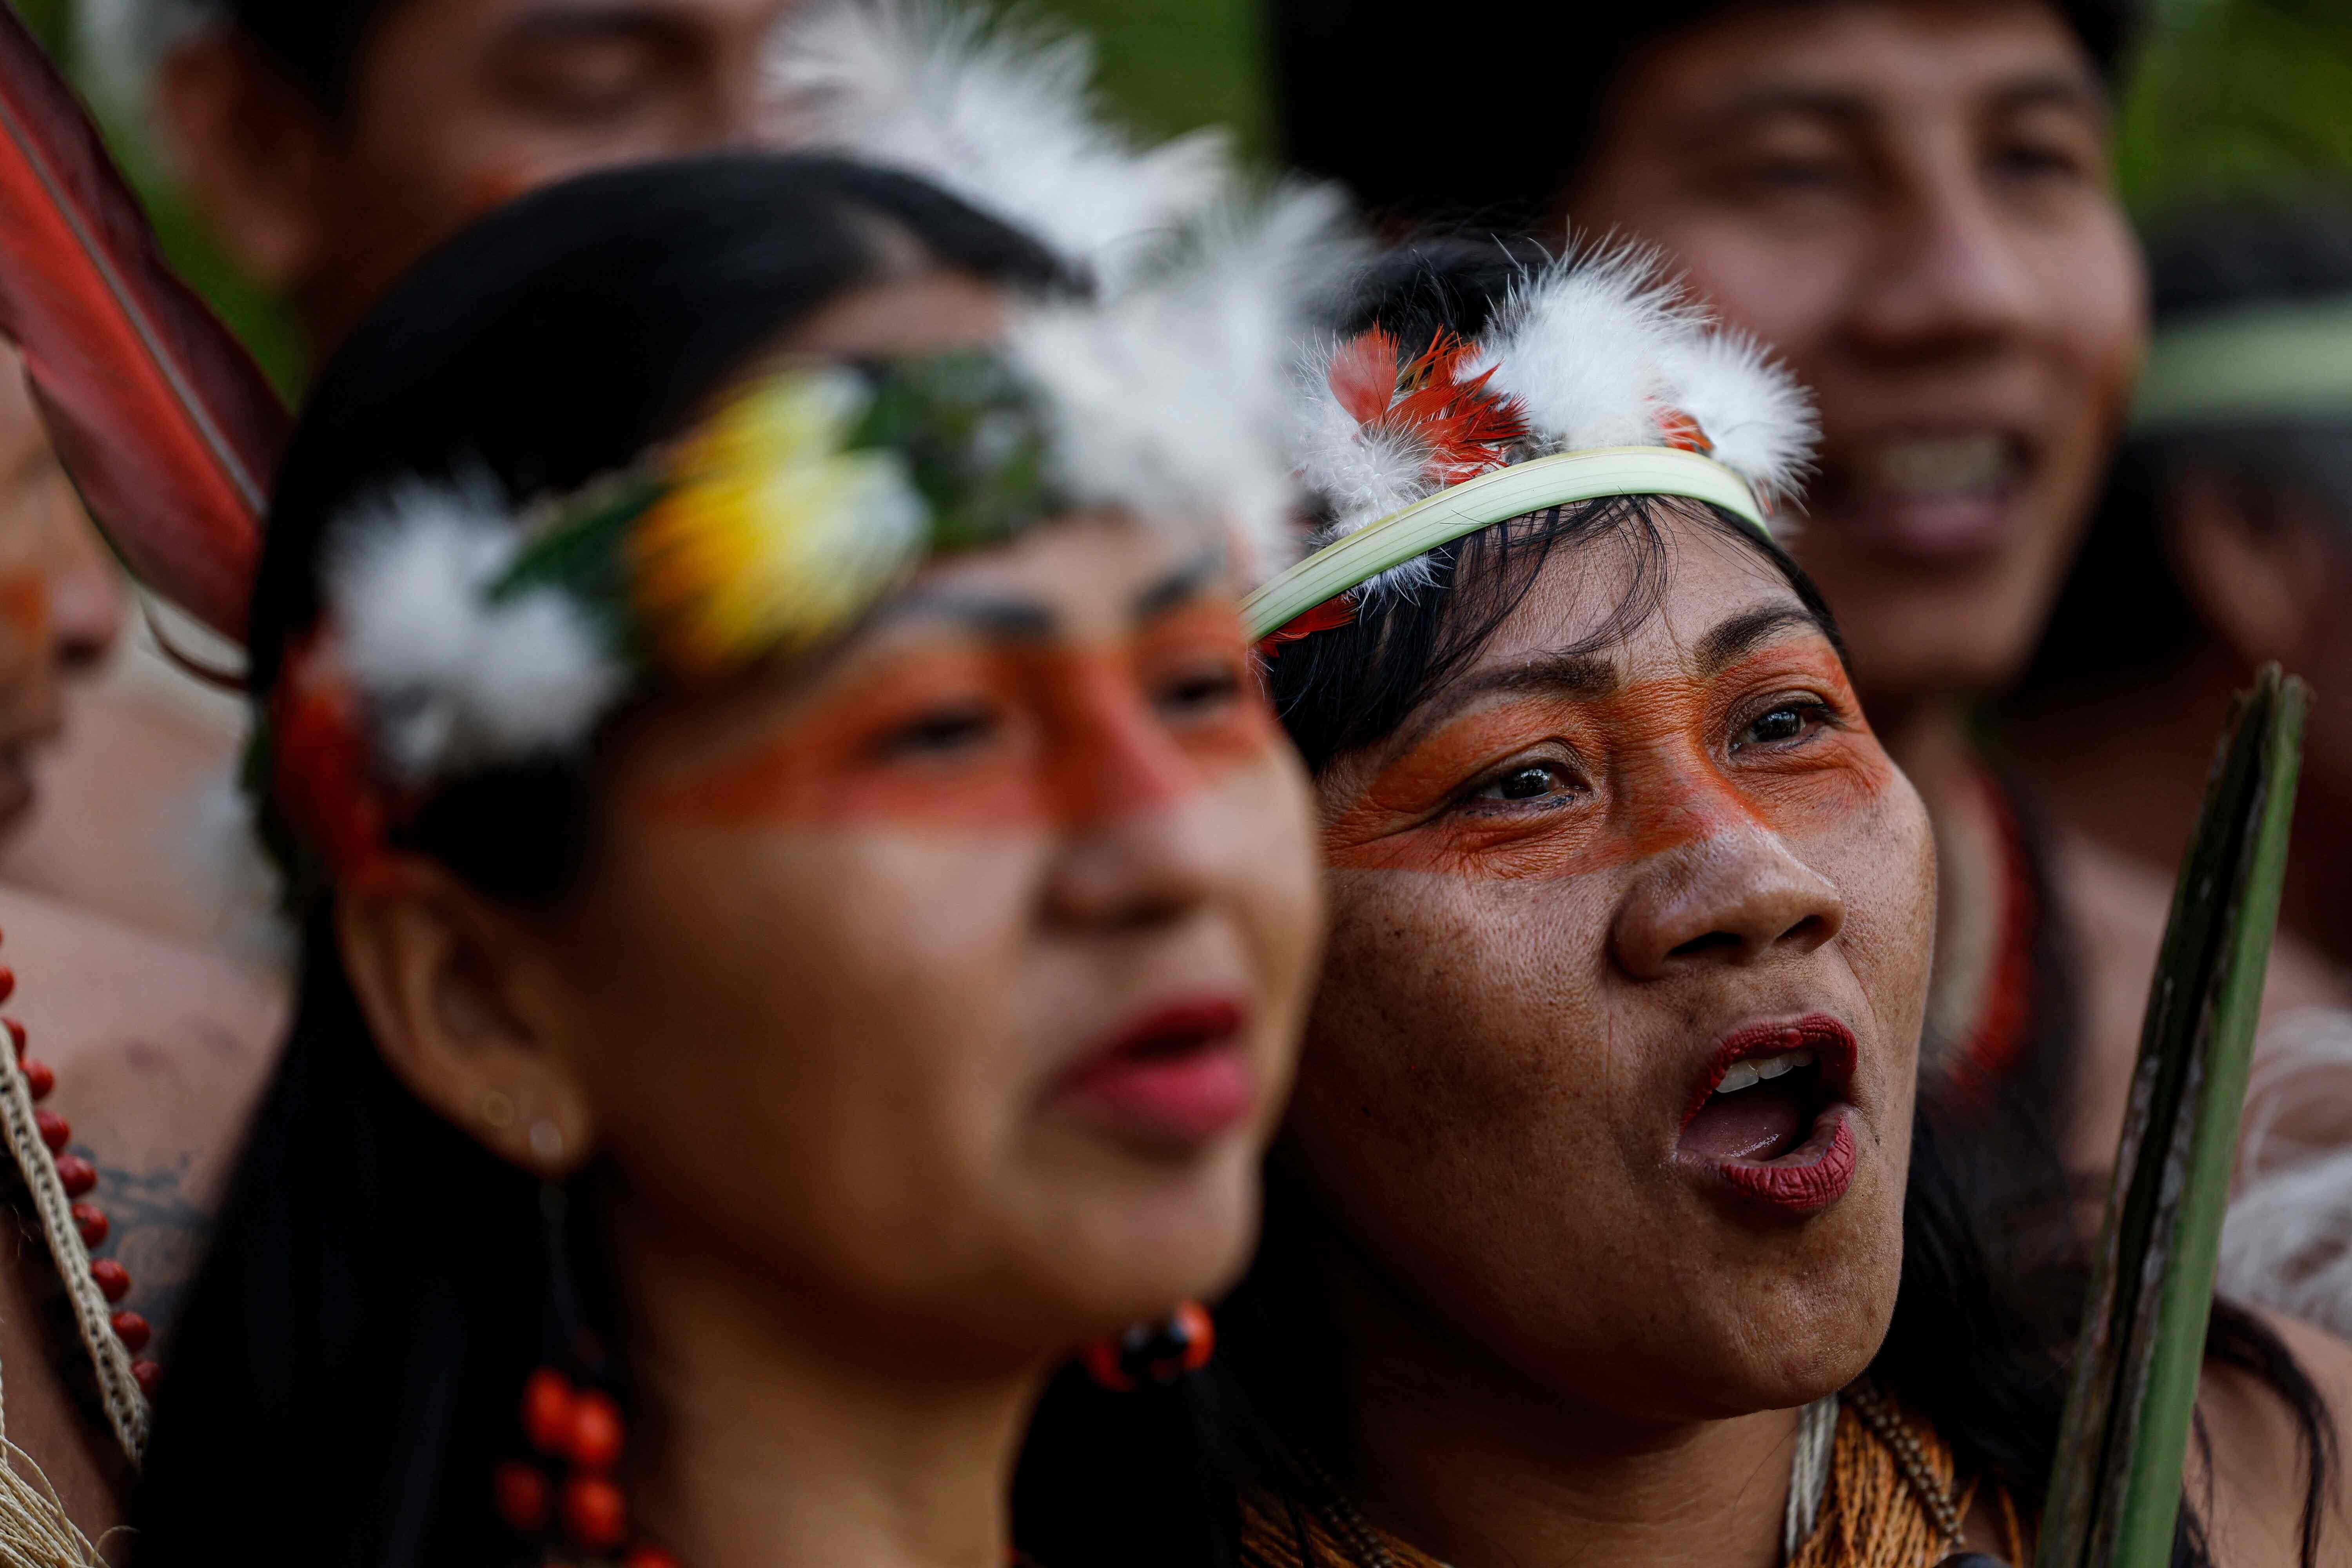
point(1911, 201)
point(331, 142)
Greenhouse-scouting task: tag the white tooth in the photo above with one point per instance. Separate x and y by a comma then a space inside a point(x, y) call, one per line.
point(1742, 1075)
point(1942, 465)
point(1773, 1067)
point(1799, 1058)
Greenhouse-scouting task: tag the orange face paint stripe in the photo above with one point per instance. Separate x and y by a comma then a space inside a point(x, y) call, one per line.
point(1661, 782)
point(1076, 738)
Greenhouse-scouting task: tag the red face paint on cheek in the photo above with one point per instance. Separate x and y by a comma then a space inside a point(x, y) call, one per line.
point(25, 610)
point(1003, 738)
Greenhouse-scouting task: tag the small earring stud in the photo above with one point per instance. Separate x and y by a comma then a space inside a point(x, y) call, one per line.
point(546, 1141)
point(498, 1109)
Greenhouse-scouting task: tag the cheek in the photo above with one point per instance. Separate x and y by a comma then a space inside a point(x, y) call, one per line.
point(834, 1010)
point(1457, 1046)
point(1785, 287)
point(1883, 863)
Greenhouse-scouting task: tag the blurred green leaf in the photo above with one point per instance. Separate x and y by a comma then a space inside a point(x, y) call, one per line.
point(1174, 65)
point(2239, 99)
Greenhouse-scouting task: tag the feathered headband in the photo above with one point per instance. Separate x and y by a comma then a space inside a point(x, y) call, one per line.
point(464, 629)
point(1596, 377)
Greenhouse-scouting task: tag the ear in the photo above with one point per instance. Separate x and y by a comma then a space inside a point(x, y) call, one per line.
point(255, 150)
point(2256, 570)
point(467, 1013)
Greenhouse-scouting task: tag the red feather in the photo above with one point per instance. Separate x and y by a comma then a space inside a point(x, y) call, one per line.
point(169, 430)
point(1465, 429)
point(1364, 375)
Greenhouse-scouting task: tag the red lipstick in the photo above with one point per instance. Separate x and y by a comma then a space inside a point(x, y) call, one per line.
point(1779, 1132)
point(1177, 1076)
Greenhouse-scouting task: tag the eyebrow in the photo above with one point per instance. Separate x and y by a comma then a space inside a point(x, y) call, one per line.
point(1186, 582)
point(1750, 629)
point(2056, 88)
point(1557, 674)
point(567, 22)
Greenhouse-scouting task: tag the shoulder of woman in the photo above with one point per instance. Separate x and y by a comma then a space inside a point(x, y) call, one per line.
point(2251, 1496)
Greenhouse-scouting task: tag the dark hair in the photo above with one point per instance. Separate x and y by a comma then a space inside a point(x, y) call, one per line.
point(316, 43)
point(1982, 1330)
point(1354, 106)
point(350, 1361)
point(2121, 615)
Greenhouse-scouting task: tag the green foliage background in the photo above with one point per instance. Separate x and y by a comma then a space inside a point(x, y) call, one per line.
point(2232, 98)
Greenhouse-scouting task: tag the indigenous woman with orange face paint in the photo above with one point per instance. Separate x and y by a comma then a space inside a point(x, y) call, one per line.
point(1604, 1227)
point(808, 910)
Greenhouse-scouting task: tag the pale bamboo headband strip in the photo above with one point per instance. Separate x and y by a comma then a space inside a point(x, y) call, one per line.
point(1462, 509)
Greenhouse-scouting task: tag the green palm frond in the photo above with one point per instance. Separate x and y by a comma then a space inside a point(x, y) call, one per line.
point(2115, 1495)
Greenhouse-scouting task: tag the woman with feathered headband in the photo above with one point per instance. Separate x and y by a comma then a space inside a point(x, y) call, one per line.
point(1603, 1224)
point(808, 910)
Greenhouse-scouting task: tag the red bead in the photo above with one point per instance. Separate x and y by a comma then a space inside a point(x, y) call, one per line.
point(91, 1223)
point(8, 983)
point(55, 1130)
point(131, 1330)
point(16, 1036)
point(521, 1493)
point(113, 1280)
point(593, 1442)
point(547, 1410)
point(148, 1374)
point(39, 1080)
point(649, 1557)
point(77, 1174)
point(595, 1515)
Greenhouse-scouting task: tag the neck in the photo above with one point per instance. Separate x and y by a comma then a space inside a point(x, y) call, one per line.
point(768, 1438)
point(1480, 1464)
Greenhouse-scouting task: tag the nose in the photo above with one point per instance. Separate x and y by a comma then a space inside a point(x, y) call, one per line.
point(1736, 897)
point(1135, 846)
point(1951, 275)
point(86, 594)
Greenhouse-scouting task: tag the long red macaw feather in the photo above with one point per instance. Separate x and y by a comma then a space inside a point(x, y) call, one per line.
point(1465, 429)
point(165, 425)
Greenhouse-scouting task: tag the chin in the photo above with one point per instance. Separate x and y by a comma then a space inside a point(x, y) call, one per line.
point(1189, 1239)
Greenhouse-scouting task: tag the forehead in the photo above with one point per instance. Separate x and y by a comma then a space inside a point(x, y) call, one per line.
point(1643, 601)
point(1882, 56)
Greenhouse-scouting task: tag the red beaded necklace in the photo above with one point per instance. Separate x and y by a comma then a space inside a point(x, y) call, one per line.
point(59, 1183)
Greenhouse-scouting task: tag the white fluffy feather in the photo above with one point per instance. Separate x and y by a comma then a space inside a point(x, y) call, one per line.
point(2287, 1242)
point(1582, 346)
point(1594, 348)
point(1001, 114)
point(1169, 400)
point(451, 681)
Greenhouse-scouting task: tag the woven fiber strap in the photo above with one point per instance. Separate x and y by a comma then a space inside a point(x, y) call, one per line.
point(126, 1405)
point(1492, 498)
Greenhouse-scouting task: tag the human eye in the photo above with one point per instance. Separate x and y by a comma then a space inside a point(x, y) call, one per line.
point(1537, 782)
point(585, 82)
point(1205, 685)
point(1782, 723)
point(943, 729)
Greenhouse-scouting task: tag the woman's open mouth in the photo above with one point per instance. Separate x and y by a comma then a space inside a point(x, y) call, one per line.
point(1770, 1121)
